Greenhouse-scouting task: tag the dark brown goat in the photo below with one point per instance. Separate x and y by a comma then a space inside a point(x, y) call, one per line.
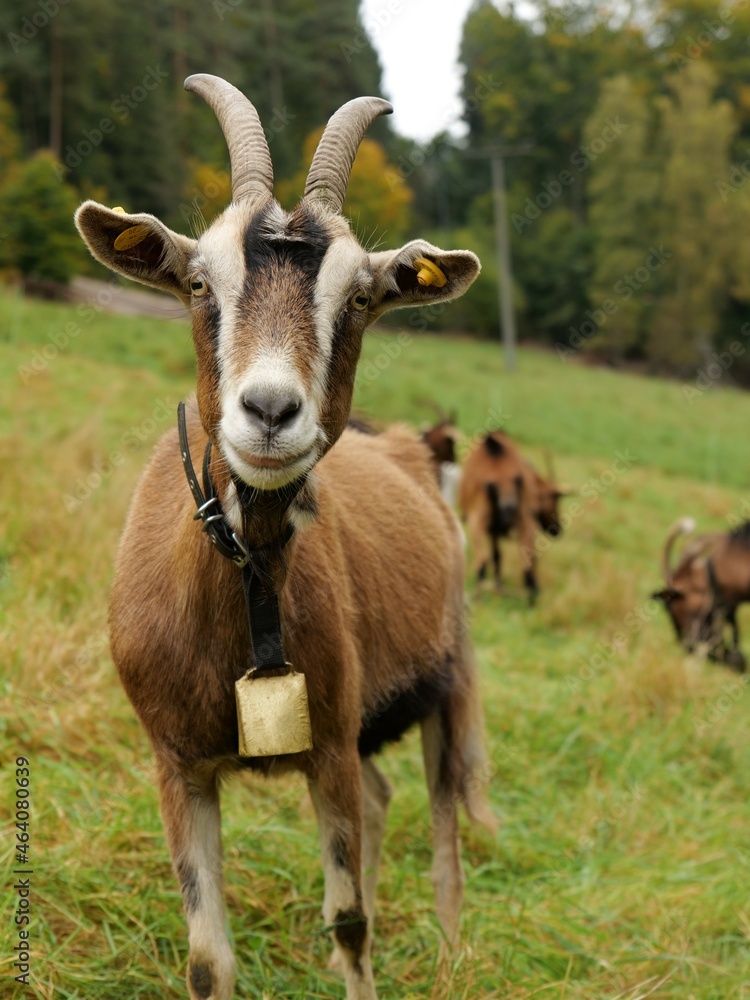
point(501, 492)
point(441, 438)
point(703, 591)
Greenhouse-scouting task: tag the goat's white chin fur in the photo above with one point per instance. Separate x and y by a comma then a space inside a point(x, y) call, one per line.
point(269, 478)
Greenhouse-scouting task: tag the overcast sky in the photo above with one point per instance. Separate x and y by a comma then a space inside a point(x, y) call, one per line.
point(418, 43)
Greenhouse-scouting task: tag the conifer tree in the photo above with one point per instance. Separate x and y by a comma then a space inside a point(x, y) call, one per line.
point(623, 189)
point(694, 223)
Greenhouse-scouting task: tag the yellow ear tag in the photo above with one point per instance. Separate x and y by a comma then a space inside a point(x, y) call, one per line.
point(131, 237)
point(120, 209)
point(429, 272)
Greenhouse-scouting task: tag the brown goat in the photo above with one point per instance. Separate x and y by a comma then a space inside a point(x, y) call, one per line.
point(703, 591)
point(441, 439)
point(371, 583)
point(501, 492)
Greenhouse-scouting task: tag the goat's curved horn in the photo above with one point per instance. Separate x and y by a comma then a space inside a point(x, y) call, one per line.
point(684, 526)
point(252, 170)
point(332, 163)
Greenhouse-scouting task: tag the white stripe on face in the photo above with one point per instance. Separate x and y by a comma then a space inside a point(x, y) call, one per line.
point(258, 365)
point(343, 271)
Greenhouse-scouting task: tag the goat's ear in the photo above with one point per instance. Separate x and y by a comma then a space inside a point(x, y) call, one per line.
point(138, 246)
point(396, 276)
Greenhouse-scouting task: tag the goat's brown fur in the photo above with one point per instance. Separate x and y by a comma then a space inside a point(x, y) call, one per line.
point(441, 440)
point(371, 584)
point(702, 600)
point(180, 638)
point(501, 492)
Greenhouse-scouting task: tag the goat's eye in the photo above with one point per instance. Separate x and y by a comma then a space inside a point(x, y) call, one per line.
point(360, 301)
point(199, 285)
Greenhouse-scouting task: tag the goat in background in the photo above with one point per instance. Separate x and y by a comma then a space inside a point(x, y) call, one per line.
point(502, 493)
point(441, 438)
point(703, 591)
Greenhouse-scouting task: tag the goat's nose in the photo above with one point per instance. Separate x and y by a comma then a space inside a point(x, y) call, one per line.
point(271, 411)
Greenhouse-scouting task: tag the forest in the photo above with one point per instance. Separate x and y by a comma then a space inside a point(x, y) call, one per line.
point(624, 132)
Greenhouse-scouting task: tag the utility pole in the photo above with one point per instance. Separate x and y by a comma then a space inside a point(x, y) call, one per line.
point(497, 156)
point(502, 244)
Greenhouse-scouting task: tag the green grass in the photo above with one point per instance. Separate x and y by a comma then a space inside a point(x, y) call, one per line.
point(622, 777)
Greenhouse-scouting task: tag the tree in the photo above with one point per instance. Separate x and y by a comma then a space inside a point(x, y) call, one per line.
point(377, 196)
point(10, 141)
point(623, 191)
point(37, 212)
point(694, 224)
point(104, 80)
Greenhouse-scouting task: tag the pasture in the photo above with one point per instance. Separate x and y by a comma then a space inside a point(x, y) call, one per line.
point(620, 769)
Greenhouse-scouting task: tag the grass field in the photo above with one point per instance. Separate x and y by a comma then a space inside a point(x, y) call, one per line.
point(621, 769)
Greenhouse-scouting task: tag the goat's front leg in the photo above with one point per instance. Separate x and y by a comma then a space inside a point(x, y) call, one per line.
point(497, 562)
point(527, 540)
point(192, 822)
point(336, 792)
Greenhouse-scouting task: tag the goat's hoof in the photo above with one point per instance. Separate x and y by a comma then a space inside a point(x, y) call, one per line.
point(736, 660)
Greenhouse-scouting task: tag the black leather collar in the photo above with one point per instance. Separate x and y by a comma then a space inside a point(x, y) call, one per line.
point(261, 599)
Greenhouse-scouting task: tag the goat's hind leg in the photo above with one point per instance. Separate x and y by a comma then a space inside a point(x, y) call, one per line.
point(376, 796)
point(192, 823)
point(336, 792)
point(457, 773)
point(447, 876)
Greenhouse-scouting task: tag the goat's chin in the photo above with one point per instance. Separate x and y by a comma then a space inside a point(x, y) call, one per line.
point(269, 477)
